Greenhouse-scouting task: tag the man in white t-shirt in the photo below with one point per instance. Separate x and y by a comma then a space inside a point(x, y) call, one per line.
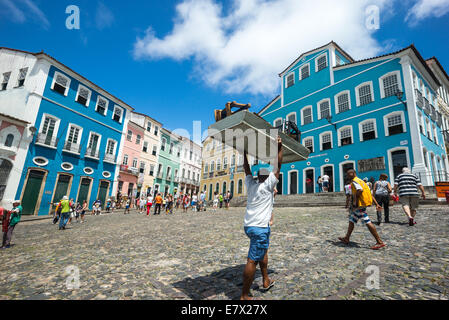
point(325, 179)
point(257, 218)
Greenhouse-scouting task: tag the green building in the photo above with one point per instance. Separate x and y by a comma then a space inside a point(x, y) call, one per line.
point(167, 174)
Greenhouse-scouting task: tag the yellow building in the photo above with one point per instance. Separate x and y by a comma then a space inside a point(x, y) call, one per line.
point(222, 169)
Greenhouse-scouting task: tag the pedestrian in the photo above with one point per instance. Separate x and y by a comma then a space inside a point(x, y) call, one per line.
point(226, 200)
point(382, 190)
point(170, 203)
point(407, 185)
point(220, 199)
point(348, 193)
point(16, 215)
point(194, 202)
point(78, 210)
point(215, 204)
point(258, 214)
point(97, 207)
point(57, 213)
point(158, 200)
point(361, 199)
point(142, 204)
point(83, 210)
point(127, 205)
point(112, 206)
point(203, 201)
point(320, 184)
point(72, 210)
point(370, 185)
point(65, 212)
point(149, 203)
point(108, 205)
point(325, 179)
point(5, 216)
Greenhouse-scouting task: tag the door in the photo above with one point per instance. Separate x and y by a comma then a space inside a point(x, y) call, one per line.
point(83, 192)
point(310, 183)
point(280, 183)
point(329, 170)
point(232, 188)
point(210, 192)
point(5, 170)
point(345, 168)
point(293, 182)
point(32, 192)
point(62, 187)
point(399, 160)
point(103, 192)
point(130, 189)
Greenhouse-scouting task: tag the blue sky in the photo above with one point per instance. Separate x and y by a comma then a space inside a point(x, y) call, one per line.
point(179, 60)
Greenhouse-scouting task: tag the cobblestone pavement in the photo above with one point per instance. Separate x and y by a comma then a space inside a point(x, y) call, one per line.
point(202, 255)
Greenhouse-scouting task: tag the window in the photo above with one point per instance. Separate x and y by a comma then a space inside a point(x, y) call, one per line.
point(168, 173)
point(218, 165)
point(129, 136)
point(164, 141)
point(206, 167)
point(125, 160)
point(22, 75)
point(151, 170)
point(9, 140)
point(102, 105)
point(338, 60)
point(304, 72)
point(154, 150)
point(343, 102)
point(233, 160)
point(5, 80)
point(110, 147)
point(429, 131)
point(94, 144)
point(83, 95)
point(149, 126)
point(368, 130)
point(73, 138)
point(135, 163)
point(142, 167)
point(145, 146)
point(277, 123)
point(420, 122)
point(326, 141)
point(61, 84)
point(364, 94)
point(394, 124)
point(308, 143)
point(117, 115)
point(171, 148)
point(345, 136)
point(138, 139)
point(324, 109)
point(307, 115)
point(389, 84)
point(292, 117)
point(435, 134)
point(290, 80)
point(240, 186)
point(321, 63)
point(156, 130)
point(191, 155)
point(225, 163)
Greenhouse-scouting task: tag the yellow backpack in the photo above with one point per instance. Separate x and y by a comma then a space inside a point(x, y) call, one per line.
point(365, 199)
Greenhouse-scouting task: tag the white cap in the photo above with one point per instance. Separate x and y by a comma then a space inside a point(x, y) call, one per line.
point(65, 198)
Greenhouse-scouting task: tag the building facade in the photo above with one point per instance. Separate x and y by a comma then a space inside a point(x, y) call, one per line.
point(190, 167)
point(77, 136)
point(150, 149)
point(375, 115)
point(167, 173)
point(222, 169)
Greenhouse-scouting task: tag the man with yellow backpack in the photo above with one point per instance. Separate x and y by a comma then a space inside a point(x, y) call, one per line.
point(361, 199)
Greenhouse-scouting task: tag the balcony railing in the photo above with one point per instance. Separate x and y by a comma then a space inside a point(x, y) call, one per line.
point(109, 158)
point(92, 153)
point(439, 119)
point(211, 174)
point(419, 98)
point(168, 177)
point(159, 175)
point(176, 179)
point(133, 170)
point(426, 106)
point(433, 113)
point(240, 169)
point(72, 147)
point(47, 140)
point(439, 175)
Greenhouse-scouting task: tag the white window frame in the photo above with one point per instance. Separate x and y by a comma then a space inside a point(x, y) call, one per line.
point(435, 134)
point(339, 134)
point(88, 97)
point(64, 76)
point(336, 100)
point(309, 138)
point(360, 128)
point(357, 94)
point(300, 71)
point(302, 114)
point(57, 123)
point(296, 116)
point(121, 115)
point(115, 146)
point(321, 140)
point(125, 157)
point(80, 135)
point(319, 107)
point(286, 79)
point(99, 140)
point(106, 107)
point(274, 122)
point(385, 118)
point(316, 61)
point(381, 82)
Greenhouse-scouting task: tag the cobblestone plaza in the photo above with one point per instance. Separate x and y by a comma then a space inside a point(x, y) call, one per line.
point(202, 255)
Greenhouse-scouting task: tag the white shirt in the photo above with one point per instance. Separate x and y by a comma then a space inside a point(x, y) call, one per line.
point(194, 198)
point(150, 199)
point(260, 201)
point(325, 178)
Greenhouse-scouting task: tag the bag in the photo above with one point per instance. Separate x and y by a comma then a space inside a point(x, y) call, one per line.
point(55, 219)
point(365, 199)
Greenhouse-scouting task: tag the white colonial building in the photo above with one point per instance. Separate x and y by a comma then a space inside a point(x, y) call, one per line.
point(190, 168)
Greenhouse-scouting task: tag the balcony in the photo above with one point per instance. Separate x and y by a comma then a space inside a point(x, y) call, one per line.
point(419, 98)
point(133, 171)
point(46, 140)
point(205, 175)
point(426, 106)
point(160, 175)
point(240, 169)
point(439, 119)
point(176, 180)
point(93, 154)
point(72, 147)
point(433, 113)
point(211, 174)
point(109, 158)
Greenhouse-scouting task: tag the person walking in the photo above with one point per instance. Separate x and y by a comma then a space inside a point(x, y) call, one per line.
point(112, 206)
point(158, 201)
point(142, 204)
point(72, 210)
point(228, 199)
point(407, 185)
point(16, 215)
point(127, 205)
point(320, 184)
point(5, 216)
point(325, 179)
point(258, 214)
point(78, 209)
point(194, 202)
point(108, 205)
point(361, 199)
point(382, 190)
point(215, 205)
point(149, 203)
point(65, 212)
point(83, 210)
point(220, 199)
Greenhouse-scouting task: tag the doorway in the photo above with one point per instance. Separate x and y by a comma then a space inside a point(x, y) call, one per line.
point(232, 188)
point(32, 191)
point(309, 182)
point(84, 190)
point(293, 182)
point(329, 170)
point(344, 176)
point(5, 170)
point(103, 192)
point(62, 189)
point(399, 160)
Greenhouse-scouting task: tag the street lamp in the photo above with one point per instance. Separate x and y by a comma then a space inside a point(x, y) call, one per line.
point(399, 94)
point(329, 119)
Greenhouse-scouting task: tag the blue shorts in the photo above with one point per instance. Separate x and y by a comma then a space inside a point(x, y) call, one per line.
point(359, 214)
point(260, 240)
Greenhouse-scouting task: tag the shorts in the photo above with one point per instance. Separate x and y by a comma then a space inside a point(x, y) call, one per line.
point(259, 242)
point(326, 184)
point(357, 214)
point(193, 203)
point(410, 201)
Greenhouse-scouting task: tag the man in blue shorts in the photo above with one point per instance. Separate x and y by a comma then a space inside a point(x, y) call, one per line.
point(257, 218)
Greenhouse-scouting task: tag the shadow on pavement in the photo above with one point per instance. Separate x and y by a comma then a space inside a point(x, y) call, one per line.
point(341, 244)
point(228, 281)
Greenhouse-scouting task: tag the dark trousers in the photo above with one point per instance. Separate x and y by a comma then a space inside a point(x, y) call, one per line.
point(383, 201)
point(7, 236)
point(157, 210)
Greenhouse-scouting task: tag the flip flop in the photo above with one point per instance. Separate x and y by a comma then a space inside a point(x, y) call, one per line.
point(269, 287)
point(343, 240)
point(378, 246)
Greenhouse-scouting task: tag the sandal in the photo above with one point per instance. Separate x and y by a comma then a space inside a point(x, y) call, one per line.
point(378, 246)
point(269, 287)
point(344, 240)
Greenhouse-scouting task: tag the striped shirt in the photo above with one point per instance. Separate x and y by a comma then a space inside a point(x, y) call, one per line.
point(407, 184)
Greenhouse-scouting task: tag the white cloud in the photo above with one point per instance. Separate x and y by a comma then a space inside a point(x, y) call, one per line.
point(243, 50)
point(427, 8)
point(21, 13)
point(104, 16)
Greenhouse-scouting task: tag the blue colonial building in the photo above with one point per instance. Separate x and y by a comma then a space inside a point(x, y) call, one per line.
point(78, 136)
point(375, 115)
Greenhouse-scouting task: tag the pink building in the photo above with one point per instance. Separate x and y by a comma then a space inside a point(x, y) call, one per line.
point(129, 179)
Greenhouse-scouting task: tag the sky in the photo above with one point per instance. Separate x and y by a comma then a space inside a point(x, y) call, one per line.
point(177, 61)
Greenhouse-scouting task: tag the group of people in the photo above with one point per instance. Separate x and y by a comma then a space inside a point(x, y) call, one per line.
point(323, 183)
point(219, 199)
